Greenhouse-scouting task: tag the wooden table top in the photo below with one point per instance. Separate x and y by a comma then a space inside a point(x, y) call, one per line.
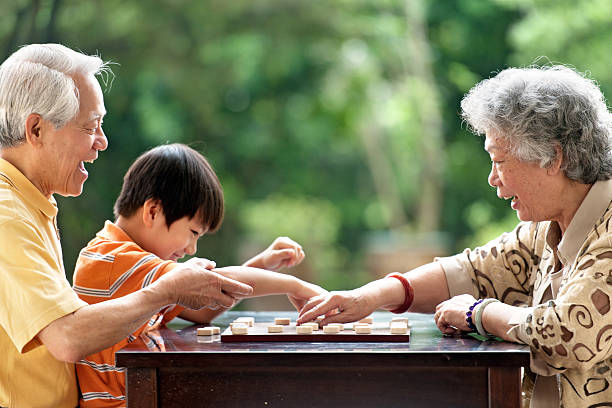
point(427, 346)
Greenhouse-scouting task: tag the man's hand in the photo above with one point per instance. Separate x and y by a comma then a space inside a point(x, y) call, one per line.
point(193, 285)
point(283, 252)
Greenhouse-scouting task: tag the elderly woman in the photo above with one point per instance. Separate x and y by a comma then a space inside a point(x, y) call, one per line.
point(51, 111)
point(548, 283)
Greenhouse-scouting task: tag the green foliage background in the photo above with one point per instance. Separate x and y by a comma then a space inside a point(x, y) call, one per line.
point(286, 97)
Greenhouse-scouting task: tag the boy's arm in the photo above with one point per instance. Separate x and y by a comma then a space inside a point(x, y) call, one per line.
point(204, 315)
point(266, 282)
point(283, 252)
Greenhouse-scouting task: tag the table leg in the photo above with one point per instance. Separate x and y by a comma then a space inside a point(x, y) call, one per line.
point(142, 387)
point(504, 387)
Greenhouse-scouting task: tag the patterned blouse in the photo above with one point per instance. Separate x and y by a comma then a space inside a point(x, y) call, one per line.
point(562, 286)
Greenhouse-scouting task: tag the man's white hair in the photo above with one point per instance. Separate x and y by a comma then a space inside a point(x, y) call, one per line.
point(37, 79)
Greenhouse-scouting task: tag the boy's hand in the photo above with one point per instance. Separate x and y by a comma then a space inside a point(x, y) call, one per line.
point(283, 252)
point(303, 292)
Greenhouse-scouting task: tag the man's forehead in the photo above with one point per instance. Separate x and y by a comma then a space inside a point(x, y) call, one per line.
point(91, 99)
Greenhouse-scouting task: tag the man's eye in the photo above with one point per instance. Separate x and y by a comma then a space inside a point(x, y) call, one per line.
point(195, 233)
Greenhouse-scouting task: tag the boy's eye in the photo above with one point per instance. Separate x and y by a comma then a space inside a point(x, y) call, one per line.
point(195, 233)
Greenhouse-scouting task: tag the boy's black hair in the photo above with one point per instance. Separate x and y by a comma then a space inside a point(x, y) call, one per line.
point(180, 178)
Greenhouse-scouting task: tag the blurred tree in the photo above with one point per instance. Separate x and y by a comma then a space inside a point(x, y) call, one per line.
point(339, 116)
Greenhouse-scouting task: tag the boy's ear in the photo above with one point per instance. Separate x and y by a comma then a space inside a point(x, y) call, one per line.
point(152, 212)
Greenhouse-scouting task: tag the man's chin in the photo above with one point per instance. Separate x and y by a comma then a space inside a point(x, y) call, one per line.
point(71, 193)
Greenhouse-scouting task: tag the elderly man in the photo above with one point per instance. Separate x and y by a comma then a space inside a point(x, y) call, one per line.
point(51, 111)
point(548, 283)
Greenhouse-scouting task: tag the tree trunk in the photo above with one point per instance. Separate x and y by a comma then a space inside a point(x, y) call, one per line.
point(426, 100)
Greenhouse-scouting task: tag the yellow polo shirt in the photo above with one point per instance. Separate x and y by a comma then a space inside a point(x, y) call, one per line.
point(34, 292)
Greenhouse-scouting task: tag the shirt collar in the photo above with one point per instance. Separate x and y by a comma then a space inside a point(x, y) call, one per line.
point(588, 214)
point(113, 233)
point(30, 193)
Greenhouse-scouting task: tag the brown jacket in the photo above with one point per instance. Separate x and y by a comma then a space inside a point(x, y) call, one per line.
point(563, 286)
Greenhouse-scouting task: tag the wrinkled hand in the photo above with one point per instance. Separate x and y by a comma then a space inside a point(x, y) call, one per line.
point(306, 290)
point(339, 307)
point(283, 252)
point(450, 314)
point(193, 285)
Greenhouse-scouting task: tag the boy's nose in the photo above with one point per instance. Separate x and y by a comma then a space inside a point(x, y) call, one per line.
point(192, 248)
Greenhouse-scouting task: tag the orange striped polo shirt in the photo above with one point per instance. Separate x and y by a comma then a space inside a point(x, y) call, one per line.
point(109, 267)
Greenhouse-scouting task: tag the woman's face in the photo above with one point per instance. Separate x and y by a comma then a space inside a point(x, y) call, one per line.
point(65, 150)
point(526, 184)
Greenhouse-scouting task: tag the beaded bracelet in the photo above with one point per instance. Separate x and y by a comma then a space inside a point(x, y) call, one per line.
point(468, 315)
point(478, 316)
point(408, 291)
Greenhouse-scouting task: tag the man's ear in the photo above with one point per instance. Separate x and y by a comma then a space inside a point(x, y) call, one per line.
point(33, 129)
point(555, 166)
point(152, 212)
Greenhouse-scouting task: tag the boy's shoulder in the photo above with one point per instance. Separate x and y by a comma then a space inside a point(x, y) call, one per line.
point(109, 268)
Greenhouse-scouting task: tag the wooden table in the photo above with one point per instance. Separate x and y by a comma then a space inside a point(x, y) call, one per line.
point(180, 369)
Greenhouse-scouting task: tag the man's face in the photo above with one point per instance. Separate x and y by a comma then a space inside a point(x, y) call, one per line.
point(67, 149)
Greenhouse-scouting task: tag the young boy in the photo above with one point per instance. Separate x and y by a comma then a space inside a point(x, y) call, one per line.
point(170, 198)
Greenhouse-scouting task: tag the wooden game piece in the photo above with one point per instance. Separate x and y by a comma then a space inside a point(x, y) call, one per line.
point(283, 321)
point(367, 320)
point(340, 325)
point(399, 328)
point(240, 328)
point(315, 325)
point(205, 331)
point(216, 330)
point(355, 325)
point(331, 329)
point(363, 329)
point(399, 320)
point(250, 321)
point(304, 329)
point(275, 328)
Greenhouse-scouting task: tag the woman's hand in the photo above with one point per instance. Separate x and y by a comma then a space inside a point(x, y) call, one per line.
point(341, 306)
point(451, 316)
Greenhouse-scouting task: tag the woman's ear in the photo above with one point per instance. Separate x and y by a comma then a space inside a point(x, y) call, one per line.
point(555, 165)
point(33, 129)
point(152, 212)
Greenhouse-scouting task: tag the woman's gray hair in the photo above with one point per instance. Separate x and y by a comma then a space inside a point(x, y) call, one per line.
point(37, 79)
point(541, 109)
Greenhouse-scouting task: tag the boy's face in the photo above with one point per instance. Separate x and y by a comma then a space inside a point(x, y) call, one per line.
point(177, 241)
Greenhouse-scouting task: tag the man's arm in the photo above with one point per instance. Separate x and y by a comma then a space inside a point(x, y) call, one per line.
point(98, 326)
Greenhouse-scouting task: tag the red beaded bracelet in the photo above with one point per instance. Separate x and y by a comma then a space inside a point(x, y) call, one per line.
point(407, 290)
